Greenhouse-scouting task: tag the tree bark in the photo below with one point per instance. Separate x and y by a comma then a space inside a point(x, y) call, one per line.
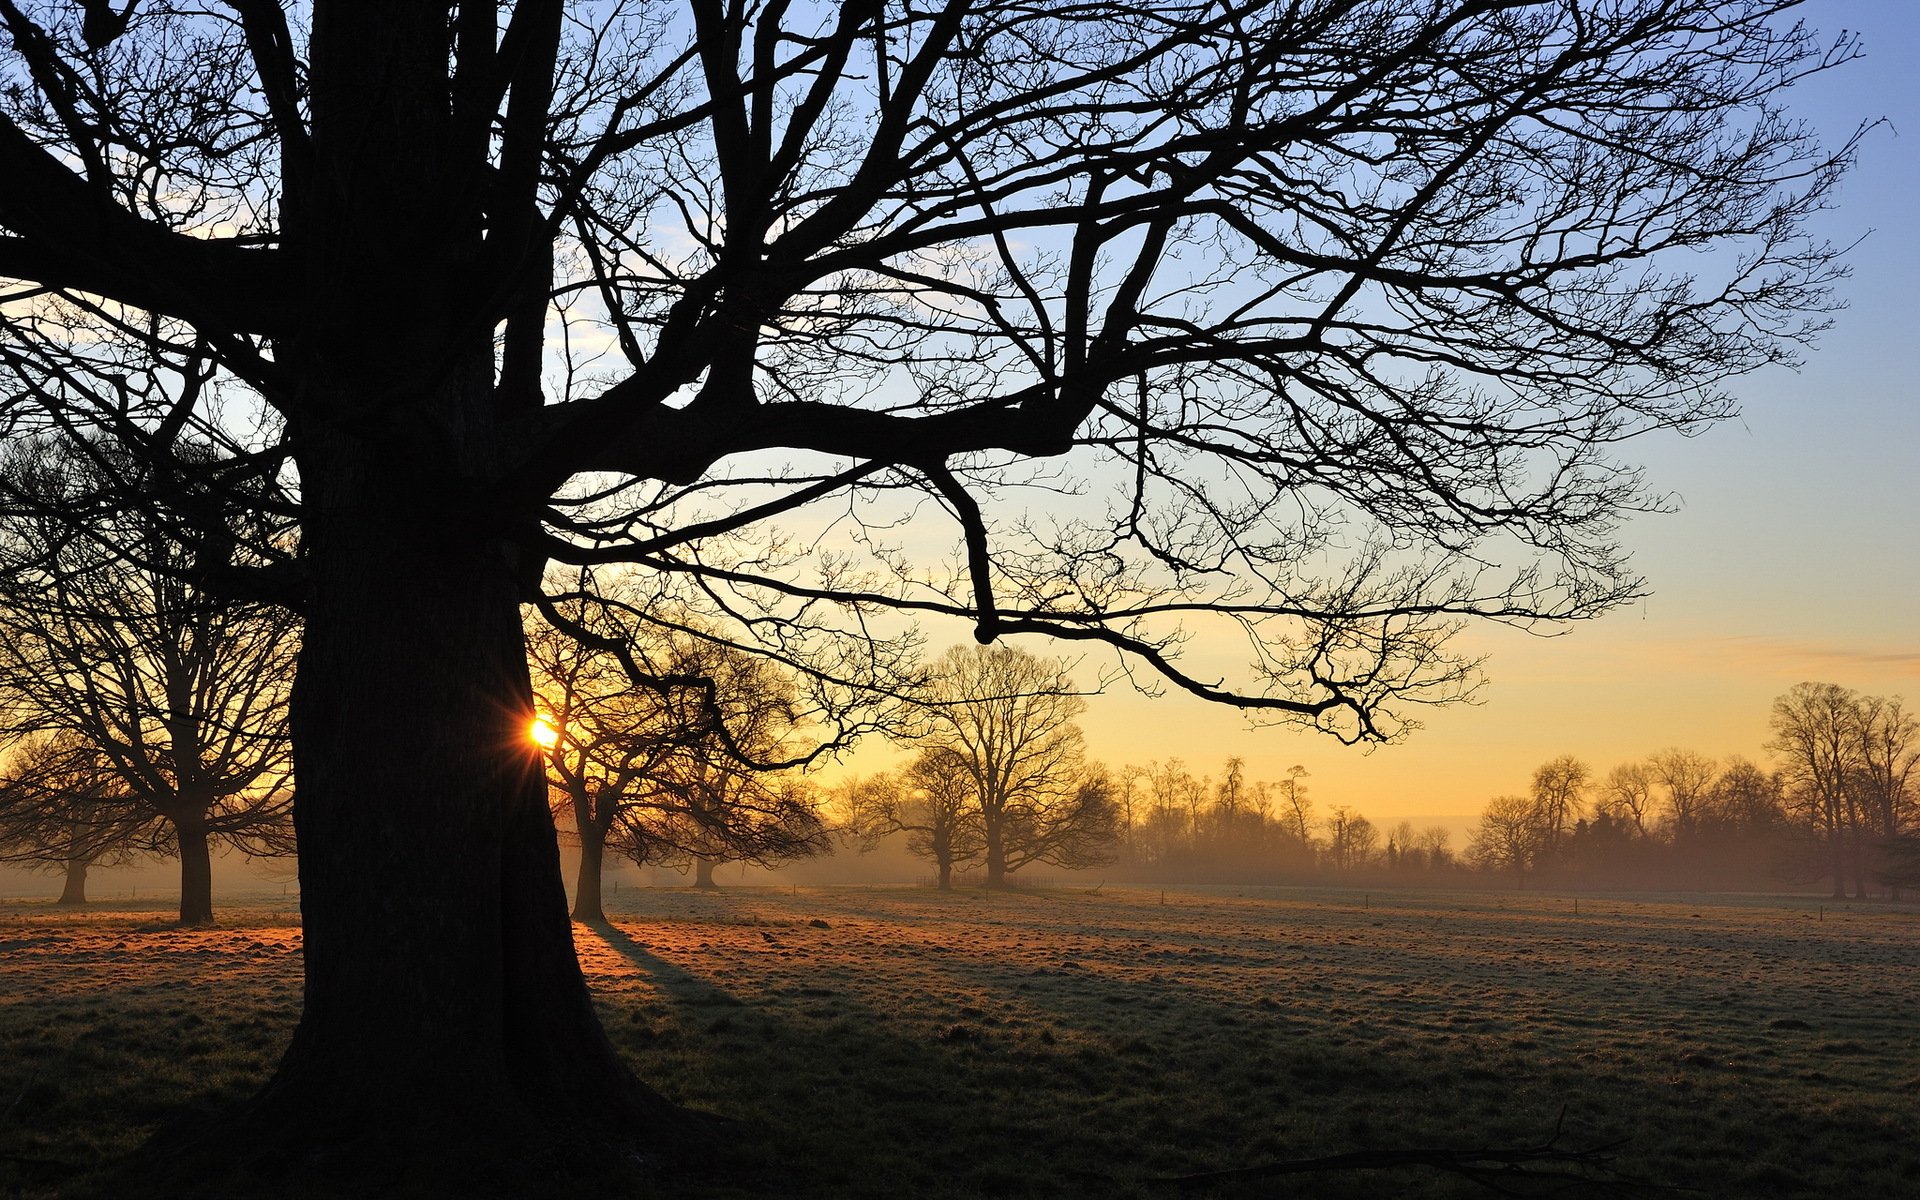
point(587, 906)
point(196, 872)
point(946, 876)
point(703, 872)
point(74, 891)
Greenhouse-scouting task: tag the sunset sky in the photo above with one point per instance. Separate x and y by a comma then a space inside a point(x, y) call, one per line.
point(1795, 553)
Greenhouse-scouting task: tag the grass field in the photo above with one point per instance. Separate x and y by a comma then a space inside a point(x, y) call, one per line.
point(903, 1043)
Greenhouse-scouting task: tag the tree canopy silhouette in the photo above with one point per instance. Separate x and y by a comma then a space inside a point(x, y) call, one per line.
point(1314, 324)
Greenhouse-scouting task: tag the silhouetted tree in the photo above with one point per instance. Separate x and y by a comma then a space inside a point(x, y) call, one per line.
point(932, 802)
point(1688, 778)
point(1510, 836)
point(1559, 797)
point(1816, 732)
point(180, 697)
point(1888, 770)
point(1627, 796)
point(656, 741)
point(1341, 301)
point(1008, 715)
point(1351, 839)
point(61, 808)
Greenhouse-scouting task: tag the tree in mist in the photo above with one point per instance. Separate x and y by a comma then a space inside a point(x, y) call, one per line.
point(1816, 733)
point(657, 763)
point(1688, 778)
point(1627, 796)
point(1559, 798)
point(1351, 839)
point(931, 801)
point(1886, 777)
point(1008, 716)
point(61, 810)
point(1746, 799)
point(1313, 311)
point(107, 648)
point(1511, 836)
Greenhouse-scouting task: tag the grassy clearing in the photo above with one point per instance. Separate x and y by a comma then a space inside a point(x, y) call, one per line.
point(905, 1043)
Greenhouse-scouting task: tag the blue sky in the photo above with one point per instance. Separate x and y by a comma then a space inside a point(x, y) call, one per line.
point(1795, 554)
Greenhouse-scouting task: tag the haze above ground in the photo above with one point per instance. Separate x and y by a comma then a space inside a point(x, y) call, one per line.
point(1795, 553)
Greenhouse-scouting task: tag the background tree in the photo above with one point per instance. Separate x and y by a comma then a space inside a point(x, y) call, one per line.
point(60, 808)
point(1889, 765)
point(932, 802)
point(1321, 307)
point(1351, 839)
point(1816, 732)
point(1627, 796)
point(1008, 716)
point(1559, 798)
point(1511, 836)
point(665, 746)
point(181, 697)
point(1689, 778)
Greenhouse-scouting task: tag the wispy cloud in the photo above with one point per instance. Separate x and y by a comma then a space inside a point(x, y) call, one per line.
point(1776, 652)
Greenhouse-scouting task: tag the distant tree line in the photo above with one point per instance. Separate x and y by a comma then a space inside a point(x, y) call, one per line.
point(1840, 807)
point(1182, 826)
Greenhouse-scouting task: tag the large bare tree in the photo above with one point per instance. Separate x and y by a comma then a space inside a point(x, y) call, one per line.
point(1289, 321)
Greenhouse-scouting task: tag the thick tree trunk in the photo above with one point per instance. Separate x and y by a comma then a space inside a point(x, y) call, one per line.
point(75, 889)
point(946, 875)
point(448, 1044)
point(586, 885)
point(196, 873)
point(703, 872)
point(996, 855)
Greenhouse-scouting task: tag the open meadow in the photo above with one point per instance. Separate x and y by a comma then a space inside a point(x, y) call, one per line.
point(906, 1043)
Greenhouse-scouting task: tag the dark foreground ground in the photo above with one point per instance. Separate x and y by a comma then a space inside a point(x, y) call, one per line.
point(902, 1043)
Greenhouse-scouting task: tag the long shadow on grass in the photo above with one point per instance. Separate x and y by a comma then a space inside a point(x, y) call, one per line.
point(857, 1101)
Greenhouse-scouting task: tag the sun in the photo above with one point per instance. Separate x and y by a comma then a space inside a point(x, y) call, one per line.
point(543, 733)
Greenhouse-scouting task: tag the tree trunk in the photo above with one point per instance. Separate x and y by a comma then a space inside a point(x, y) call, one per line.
point(996, 855)
point(946, 875)
point(703, 872)
point(586, 887)
point(196, 872)
point(448, 1044)
point(75, 889)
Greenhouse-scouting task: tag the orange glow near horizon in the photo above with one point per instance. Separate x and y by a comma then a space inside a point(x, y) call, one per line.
point(543, 733)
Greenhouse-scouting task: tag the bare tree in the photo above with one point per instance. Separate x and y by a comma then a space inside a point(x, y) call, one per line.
point(1510, 836)
point(1627, 796)
point(1688, 778)
point(180, 697)
point(1888, 769)
point(652, 750)
point(1435, 844)
point(1746, 798)
point(932, 802)
point(1559, 795)
point(61, 808)
point(1351, 839)
point(1316, 308)
point(1816, 732)
point(1009, 716)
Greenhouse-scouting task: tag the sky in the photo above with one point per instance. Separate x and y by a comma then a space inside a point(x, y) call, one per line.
point(1795, 553)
